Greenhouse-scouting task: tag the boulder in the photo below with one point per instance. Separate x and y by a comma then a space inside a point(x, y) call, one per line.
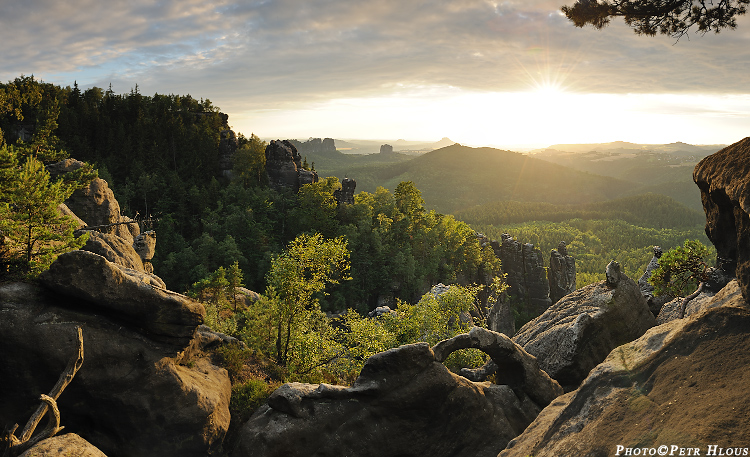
point(682, 384)
point(705, 300)
point(114, 249)
point(68, 445)
point(724, 181)
point(97, 206)
point(576, 333)
point(135, 297)
point(133, 396)
point(404, 403)
point(561, 273)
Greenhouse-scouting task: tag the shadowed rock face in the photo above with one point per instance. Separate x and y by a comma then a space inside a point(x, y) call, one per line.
point(724, 181)
point(404, 403)
point(561, 273)
point(682, 383)
point(527, 278)
point(284, 167)
point(576, 333)
point(133, 396)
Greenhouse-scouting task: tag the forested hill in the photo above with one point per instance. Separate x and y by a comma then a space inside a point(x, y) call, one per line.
point(457, 177)
point(648, 210)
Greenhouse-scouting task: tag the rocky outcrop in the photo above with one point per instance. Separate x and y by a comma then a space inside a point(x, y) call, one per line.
point(114, 249)
point(284, 167)
point(315, 146)
point(133, 396)
point(145, 246)
point(655, 303)
point(97, 206)
point(228, 145)
point(724, 181)
point(681, 384)
point(68, 445)
point(386, 149)
point(528, 286)
point(576, 333)
point(404, 403)
point(138, 298)
point(345, 195)
point(703, 301)
point(561, 273)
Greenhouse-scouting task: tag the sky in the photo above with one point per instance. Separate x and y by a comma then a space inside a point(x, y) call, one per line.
point(513, 74)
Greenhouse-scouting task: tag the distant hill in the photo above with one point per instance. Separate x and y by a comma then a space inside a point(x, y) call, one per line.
point(657, 168)
point(457, 177)
point(648, 210)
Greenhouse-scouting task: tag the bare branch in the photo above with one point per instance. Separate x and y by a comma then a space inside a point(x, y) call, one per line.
point(16, 446)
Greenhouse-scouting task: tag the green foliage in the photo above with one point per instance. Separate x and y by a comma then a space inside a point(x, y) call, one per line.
point(250, 161)
point(593, 243)
point(308, 265)
point(249, 396)
point(681, 269)
point(36, 230)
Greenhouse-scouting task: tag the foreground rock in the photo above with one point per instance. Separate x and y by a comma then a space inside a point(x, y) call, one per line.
point(133, 396)
point(576, 333)
point(724, 181)
point(404, 403)
point(137, 298)
point(681, 384)
point(68, 445)
point(114, 249)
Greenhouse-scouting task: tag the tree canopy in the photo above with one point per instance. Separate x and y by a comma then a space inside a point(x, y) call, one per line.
point(668, 17)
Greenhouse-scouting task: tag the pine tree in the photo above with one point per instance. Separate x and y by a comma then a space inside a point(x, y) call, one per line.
point(36, 230)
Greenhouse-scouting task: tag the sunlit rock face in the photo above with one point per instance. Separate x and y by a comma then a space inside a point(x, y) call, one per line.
point(724, 181)
point(284, 167)
point(682, 383)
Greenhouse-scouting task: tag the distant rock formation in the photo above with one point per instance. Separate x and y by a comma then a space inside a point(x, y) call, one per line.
point(386, 149)
point(315, 145)
point(527, 280)
point(284, 167)
point(405, 403)
point(576, 333)
point(724, 181)
point(345, 195)
point(675, 385)
point(561, 273)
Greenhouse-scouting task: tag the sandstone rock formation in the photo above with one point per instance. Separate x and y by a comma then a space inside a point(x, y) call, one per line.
point(97, 206)
point(284, 167)
point(705, 300)
point(404, 403)
point(114, 249)
point(345, 195)
point(724, 181)
point(133, 396)
point(315, 146)
point(134, 297)
point(654, 303)
point(561, 273)
point(145, 245)
point(228, 145)
point(68, 445)
point(576, 333)
point(386, 149)
point(681, 384)
point(527, 279)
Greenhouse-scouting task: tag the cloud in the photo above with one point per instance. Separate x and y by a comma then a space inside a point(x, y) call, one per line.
point(276, 53)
